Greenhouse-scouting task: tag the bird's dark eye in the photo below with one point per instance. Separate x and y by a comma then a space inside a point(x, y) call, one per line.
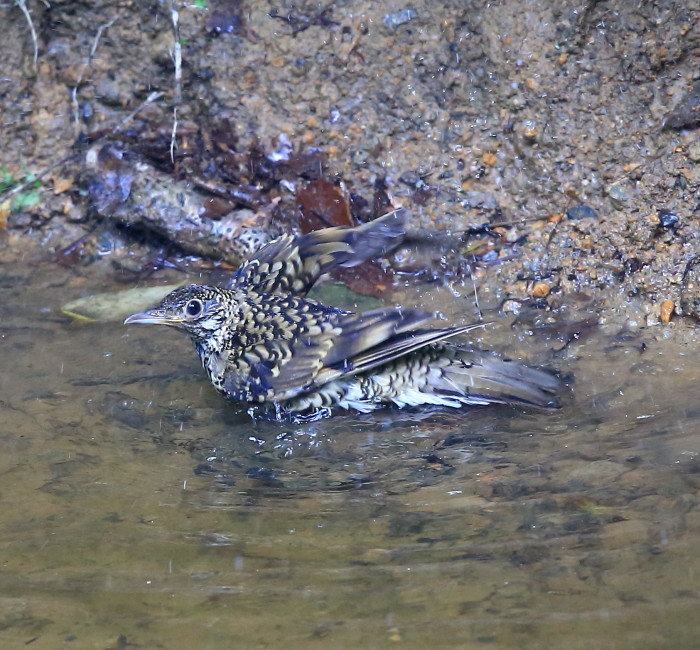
point(193, 308)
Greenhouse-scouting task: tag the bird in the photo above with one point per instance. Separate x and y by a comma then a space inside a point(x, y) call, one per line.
point(264, 343)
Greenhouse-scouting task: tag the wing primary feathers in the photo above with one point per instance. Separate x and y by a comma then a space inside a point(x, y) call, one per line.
point(396, 347)
point(291, 263)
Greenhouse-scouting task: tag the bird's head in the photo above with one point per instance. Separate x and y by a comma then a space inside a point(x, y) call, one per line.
point(200, 310)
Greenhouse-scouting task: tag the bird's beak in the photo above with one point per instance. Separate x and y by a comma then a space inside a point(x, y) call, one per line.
point(153, 317)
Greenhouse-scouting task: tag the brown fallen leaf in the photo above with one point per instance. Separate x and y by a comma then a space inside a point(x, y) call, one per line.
point(322, 205)
point(61, 185)
point(5, 212)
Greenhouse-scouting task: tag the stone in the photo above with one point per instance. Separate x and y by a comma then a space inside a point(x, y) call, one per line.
point(578, 212)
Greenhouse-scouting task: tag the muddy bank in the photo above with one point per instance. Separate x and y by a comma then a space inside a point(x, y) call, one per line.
point(568, 130)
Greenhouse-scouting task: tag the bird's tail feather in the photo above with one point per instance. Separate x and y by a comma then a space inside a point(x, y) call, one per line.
point(480, 378)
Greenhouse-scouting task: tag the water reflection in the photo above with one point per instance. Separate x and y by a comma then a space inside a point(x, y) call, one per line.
point(139, 508)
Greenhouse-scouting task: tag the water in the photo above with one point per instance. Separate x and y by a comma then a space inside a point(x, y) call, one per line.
point(139, 508)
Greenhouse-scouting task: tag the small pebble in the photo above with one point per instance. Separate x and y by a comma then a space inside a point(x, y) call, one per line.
point(694, 151)
point(512, 307)
point(667, 307)
point(581, 212)
point(512, 235)
point(686, 113)
point(400, 17)
point(667, 219)
point(541, 290)
point(530, 130)
point(618, 196)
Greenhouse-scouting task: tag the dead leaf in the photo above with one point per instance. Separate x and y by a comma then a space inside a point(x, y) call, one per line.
point(61, 185)
point(5, 212)
point(322, 205)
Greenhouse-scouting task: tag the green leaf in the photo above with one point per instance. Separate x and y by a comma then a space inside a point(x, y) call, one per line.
point(5, 180)
point(25, 200)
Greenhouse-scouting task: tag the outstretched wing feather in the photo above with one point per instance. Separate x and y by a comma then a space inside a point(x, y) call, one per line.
point(390, 350)
point(295, 263)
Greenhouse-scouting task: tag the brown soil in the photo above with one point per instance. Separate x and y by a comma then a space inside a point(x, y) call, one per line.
point(544, 121)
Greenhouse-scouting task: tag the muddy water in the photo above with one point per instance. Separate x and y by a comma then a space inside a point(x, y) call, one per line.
point(139, 508)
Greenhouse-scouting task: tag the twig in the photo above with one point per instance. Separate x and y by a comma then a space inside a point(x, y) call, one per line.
point(173, 136)
point(151, 98)
point(22, 5)
point(86, 65)
point(177, 58)
point(476, 295)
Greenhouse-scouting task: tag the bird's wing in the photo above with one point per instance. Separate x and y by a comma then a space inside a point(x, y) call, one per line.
point(293, 264)
point(322, 347)
point(397, 346)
